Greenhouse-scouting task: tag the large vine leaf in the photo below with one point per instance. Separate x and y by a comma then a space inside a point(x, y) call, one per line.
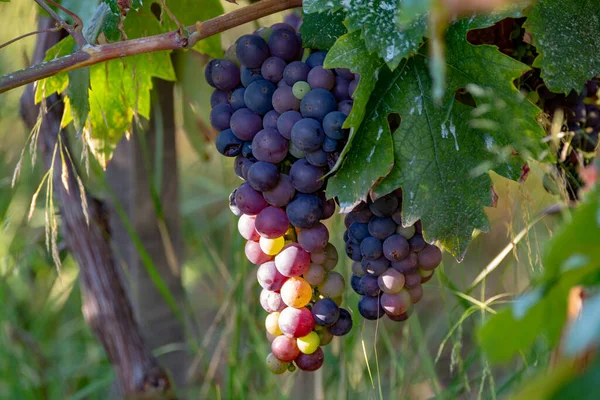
point(565, 34)
point(321, 30)
point(436, 148)
point(311, 6)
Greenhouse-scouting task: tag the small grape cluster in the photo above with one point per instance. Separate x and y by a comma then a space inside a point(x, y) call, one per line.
point(581, 130)
point(282, 119)
point(391, 261)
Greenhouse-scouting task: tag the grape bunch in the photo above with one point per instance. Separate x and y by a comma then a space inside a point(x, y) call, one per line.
point(390, 261)
point(280, 114)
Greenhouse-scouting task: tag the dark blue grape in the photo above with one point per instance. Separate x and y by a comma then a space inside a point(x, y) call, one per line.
point(284, 43)
point(245, 124)
point(357, 232)
point(385, 206)
point(343, 324)
point(242, 165)
point(371, 248)
point(252, 50)
point(316, 59)
point(218, 97)
point(417, 243)
point(381, 227)
point(270, 119)
point(236, 98)
point(227, 144)
point(353, 251)
point(305, 177)
point(283, 25)
point(305, 210)
point(370, 308)
point(369, 286)
point(258, 96)
point(317, 104)
point(329, 144)
point(375, 267)
point(328, 209)
point(249, 75)
point(318, 158)
point(295, 71)
point(208, 72)
point(355, 284)
point(325, 312)
point(286, 121)
point(284, 100)
point(332, 125)
point(345, 106)
point(269, 146)
point(395, 248)
point(263, 176)
point(340, 89)
point(307, 134)
point(220, 116)
point(225, 75)
point(247, 149)
point(319, 77)
point(272, 69)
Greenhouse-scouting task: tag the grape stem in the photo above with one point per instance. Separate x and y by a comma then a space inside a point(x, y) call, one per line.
point(94, 54)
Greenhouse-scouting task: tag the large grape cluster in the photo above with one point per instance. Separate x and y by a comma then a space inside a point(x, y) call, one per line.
point(280, 114)
point(391, 262)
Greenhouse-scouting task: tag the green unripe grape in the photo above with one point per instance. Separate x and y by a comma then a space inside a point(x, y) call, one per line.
point(407, 232)
point(425, 274)
point(325, 337)
point(276, 366)
point(300, 89)
point(310, 343)
point(291, 367)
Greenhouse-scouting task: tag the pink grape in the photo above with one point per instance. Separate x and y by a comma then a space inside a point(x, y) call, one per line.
point(391, 281)
point(269, 277)
point(315, 274)
point(333, 285)
point(430, 257)
point(254, 253)
point(271, 301)
point(246, 227)
point(293, 260)
point(296, 322)
point(395, 304)
point(416, 293)
point(285, 348)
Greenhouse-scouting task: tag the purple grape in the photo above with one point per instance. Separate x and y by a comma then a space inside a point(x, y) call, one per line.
point(252, 50)
point(395, 248)
point(371, 248)
point(293, 20)
point(245, 124)
point(272, 69)
point(218, 97)
point(307, 134)
point(343, 325)
point(332, 125)
point(295, 71)
point(249, 75)
point(355, 284)
point(357, 232)
point(352, 87)
point(345, 73)
point(242, 165)
point(328, 209)
point(296, 152)
point(208, 72)
point(316, 59)
point(325, 312)
point(283, 25)
point(269, 146)
point(284, 100)
point(284, 43)
point(381, 228)
point(370, 308)
point(271, 223)
point(305, 210)
point(408, 265)
point(270, 119)
point(317, 104)
point(220, 116)
point(385, 206)
point(282, 193)
point(417, 243)
point(310, 362)
point(375, 267)
point(340, 89)
point(314, 239)
point(429, 258)
point(258, 96)
point(248, 200)
point(345, 106)
point(369, 286)
point(286, 122)
point(305, 177)
point(319, 77)
point(228, 144)
point(263, 176)
point(318, 158)
point(225, 75)
point(412, 279)
point(236, 99)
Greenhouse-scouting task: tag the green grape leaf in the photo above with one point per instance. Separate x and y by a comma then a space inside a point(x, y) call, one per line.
point(565, 34)
point(321, 30)
point(311, 6)
point(78, 94)
point(84, 9)
point(57, 83)
point(105, 20)
point(188, 12)
point(437, 148)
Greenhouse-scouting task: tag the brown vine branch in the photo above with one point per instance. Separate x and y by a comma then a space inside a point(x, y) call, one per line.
point(57, 29)
point(73, 30)
point(90, 55)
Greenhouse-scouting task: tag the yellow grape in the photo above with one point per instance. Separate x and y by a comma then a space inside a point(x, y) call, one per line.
point(272, 324)
point(272, 247)
point(296, 292)
point(310, 343)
